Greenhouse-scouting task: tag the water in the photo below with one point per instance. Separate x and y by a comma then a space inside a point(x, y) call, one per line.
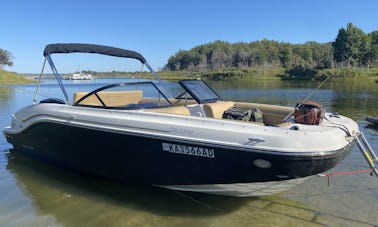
point(36, 194)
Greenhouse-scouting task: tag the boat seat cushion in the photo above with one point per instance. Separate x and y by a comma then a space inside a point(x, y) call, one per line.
point(178, 110)
point(111, 98)
point(273, 115)
point(216, 109)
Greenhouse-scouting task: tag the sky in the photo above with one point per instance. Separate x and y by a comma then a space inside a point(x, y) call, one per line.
point(158, 29)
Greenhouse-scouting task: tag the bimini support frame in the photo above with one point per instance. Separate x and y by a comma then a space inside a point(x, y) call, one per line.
point(57, 76)
point(39, 82)
point(87, 48)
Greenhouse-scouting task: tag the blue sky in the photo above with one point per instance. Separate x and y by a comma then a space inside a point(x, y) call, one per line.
point(158, 29)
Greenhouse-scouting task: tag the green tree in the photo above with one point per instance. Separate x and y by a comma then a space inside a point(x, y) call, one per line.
point(351, 45)
point(286, 55)
point(340, 46)
point(272, 51)
point(373, 36)
point(240, 56)
point(5, 58)
point(322, 55)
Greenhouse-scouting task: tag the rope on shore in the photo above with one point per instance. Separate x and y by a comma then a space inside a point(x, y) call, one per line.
point(329, 175)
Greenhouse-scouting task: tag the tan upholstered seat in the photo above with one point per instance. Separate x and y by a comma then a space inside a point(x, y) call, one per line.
point(273, 115)
point(216, 109)
point(111, 98)
point(178, 110)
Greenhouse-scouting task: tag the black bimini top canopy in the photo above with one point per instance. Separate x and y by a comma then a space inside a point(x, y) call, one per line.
point(91, 48)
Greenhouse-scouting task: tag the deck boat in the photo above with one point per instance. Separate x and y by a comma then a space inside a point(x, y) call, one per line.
point(141, 132)
point(81, 76)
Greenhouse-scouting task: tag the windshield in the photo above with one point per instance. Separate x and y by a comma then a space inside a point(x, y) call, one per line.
point(123, 96)
point(200, 91)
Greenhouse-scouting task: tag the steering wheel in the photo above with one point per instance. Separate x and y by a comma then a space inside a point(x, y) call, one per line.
point(95, 93)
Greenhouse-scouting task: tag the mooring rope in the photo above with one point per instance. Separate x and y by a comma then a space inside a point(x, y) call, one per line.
point(329, 175)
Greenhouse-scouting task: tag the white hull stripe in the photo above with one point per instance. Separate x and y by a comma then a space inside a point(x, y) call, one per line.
point(240, 189)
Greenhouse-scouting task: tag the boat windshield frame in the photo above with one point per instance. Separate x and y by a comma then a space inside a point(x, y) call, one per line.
point(200, 91)
point(131, 106)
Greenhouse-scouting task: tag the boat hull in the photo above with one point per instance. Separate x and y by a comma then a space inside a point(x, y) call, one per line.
point(241, 189)
point(164, 161)
point(372, 120)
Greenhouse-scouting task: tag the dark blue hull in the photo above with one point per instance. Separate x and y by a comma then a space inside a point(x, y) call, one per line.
point(372, 120)
point(161, 161)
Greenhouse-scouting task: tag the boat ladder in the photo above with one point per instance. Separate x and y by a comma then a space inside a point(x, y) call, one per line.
point(368, 153)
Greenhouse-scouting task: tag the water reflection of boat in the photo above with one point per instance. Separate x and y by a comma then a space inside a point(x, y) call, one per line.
point(192, 142)
point(68, 196)
point(372, 120)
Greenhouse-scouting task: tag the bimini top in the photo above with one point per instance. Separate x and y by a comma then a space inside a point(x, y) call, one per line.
point(91, 48)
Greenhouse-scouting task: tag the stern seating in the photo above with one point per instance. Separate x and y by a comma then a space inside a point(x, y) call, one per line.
point(216, 109)
point(273, 115)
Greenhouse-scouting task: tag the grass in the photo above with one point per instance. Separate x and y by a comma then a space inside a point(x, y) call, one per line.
point(356, 73)
point(7, 77)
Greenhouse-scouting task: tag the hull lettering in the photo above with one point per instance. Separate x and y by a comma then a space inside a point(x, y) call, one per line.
point(188, 150)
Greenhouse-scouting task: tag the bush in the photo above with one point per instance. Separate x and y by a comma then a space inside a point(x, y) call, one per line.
point(299, 73)
point(348, 73)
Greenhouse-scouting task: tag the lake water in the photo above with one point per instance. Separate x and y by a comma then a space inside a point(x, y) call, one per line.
point(36, 194)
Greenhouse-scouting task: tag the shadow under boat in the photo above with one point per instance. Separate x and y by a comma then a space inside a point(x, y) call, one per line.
point(70, 196)
point(44, 183)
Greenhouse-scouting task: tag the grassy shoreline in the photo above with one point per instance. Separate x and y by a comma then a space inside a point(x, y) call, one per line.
point(275, 73)
point(7, 77)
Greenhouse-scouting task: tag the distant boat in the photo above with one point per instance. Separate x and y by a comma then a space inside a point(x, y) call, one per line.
point(81, 76)
point(372, 120)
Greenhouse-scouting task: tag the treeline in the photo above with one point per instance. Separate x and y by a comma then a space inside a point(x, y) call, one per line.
point(352, 47)
point(267, 53)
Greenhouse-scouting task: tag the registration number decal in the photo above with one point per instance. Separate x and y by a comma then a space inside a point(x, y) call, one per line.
point(188, 150)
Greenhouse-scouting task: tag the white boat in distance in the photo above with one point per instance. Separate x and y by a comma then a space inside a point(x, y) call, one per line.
point(81, 76)
point(191, 141)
